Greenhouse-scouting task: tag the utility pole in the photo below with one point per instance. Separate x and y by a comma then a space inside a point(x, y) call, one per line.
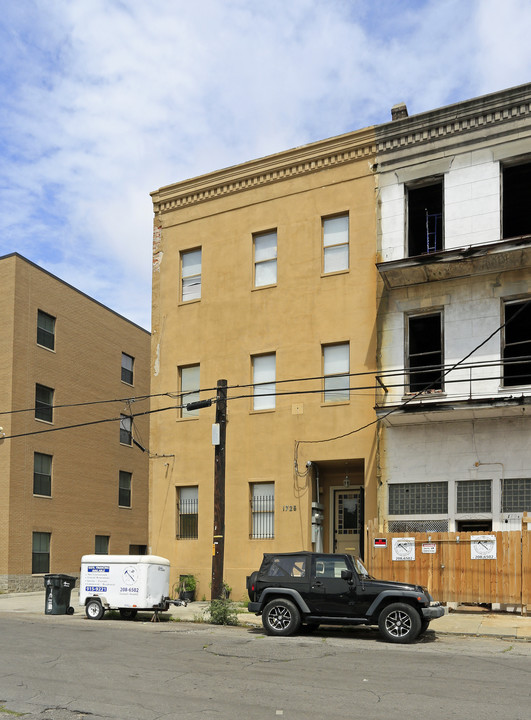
point(218, 544)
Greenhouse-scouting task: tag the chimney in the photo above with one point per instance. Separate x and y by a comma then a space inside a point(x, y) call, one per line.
point(399, 111)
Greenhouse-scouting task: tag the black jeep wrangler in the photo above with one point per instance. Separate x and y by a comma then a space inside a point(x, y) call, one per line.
point(305, 589)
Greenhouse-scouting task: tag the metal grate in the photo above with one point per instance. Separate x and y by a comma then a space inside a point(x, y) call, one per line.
point(516, 495)
point(474, 496)
point(418, 526)
point(263, 516)
point(187, 517)
point(426, 498)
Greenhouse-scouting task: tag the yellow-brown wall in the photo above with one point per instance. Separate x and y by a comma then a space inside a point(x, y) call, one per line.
point(291, 193)
point(84, 367)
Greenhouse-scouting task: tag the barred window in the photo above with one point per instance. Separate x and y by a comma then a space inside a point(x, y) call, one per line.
point(187, 512)
point(474, 496)
point(427, 526)
point(262, 510)
point(426, 498)
point(40, 553)
point(42, 474)
point(516, 495)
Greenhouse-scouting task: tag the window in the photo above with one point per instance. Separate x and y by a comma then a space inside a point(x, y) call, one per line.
point(101, 545)
point(264, 376)
point(335, 244)
point(474, 496)
point(126, 430)
point(424, 498)
point(189, 388)
point(124, 489)
point(336, 367)
point(43, 403)
point(187, 512)
point(293, 566)
point(265, 259)
point(516, 341)
point(263, 510)
point(45, 330)
point(127, 368)
point(40, 554)
point(137, 549)
point(191, 275)
point(516, 196)
point(516, 495)
point(425, 352)
point(42, 474)
point(425, 218)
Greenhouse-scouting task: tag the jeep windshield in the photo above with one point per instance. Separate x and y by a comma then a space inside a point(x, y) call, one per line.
point(360, 567)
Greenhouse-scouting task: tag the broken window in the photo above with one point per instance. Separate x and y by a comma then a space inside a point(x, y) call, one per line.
point(517, 343)
point(516, 199)
point(425, 218)
point(425, 352)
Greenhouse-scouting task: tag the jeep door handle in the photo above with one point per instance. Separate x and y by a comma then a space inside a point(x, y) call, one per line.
point(318, 583)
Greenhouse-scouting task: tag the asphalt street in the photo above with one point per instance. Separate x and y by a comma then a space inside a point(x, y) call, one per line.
point(52, 668)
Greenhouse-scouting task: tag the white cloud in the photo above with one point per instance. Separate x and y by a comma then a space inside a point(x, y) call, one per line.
point(106, 100)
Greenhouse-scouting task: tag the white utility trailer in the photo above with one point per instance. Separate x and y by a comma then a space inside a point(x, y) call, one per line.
point(127, 583)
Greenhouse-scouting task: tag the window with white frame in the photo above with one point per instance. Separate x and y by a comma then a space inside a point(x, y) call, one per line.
point(126, 430)
point(336, 368)
point(40, 553)
point(265, 259)
point(335, 244)
point(45, 330)
point(127, 368)
point(124, 488)
point(263, 510)
point(425, 352)
point(264, 377)
point(516, 342)
point(187, 512)
point(42, 474)
point(189, 388)
point(191, 275)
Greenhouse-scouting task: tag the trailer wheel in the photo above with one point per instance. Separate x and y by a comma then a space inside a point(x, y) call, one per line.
point(94, 610)
point(128, 613)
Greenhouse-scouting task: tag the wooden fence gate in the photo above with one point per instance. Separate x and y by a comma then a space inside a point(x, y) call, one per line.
point(457, 567)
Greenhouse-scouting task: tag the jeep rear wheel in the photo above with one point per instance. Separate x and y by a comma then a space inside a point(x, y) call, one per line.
point(399, 623)
point(281, 617)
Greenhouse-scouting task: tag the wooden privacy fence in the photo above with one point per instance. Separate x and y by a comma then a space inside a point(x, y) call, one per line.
point(451, 565)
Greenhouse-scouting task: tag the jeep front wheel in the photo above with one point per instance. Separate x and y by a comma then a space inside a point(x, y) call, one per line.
point(399, 623)
point(281, 617)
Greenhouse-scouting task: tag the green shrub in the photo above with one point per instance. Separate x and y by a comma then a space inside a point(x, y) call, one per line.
point(222, 612)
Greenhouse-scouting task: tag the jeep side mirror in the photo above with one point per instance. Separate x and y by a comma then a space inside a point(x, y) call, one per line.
point(346, 575)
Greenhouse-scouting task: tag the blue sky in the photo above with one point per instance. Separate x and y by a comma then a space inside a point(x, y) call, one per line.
point(104, 101)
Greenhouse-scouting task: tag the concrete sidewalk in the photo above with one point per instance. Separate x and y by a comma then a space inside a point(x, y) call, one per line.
point(474, 622)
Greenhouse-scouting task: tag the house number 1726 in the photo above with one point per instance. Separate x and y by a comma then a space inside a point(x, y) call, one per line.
point(289, 508)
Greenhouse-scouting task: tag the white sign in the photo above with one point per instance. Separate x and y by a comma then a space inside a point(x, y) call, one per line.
point(403, 548)
point(430, 548)
point(483, 547)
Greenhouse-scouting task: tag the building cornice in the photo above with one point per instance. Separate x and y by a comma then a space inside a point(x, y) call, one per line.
point(492, 113)
point(304, 160)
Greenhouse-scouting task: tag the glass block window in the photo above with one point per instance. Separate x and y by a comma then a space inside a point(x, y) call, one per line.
point(45, 330)
point(101, 545)
point(40, 553)
point(427, 526)
point(187, 512)
point(474, 496)
point(263, 510)
point(427, 498)
point(516, 495)
point(124, 489)
point(42, 474)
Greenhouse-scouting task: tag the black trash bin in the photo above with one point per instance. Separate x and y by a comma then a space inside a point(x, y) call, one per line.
point(58, 589)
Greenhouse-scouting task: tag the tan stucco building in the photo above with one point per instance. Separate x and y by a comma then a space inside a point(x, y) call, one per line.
point(64, 493)
point(264, 275)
